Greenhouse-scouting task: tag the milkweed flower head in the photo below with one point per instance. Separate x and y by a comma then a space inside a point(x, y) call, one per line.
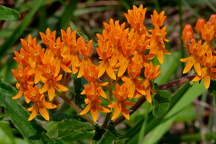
point(122, 73)
point(201, 50)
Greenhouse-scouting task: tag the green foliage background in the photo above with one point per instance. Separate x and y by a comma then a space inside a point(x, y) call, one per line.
point(185, 113)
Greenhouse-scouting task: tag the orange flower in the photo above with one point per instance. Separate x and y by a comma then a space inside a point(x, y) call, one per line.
point(136, 18)
point(24, 80)
point(121, 104)
point(202, 54)
point(123, 54)
point(187, 34)
point(92, 92)
point(158, 19)
point(85, 50)
point(39, 104)
point(50, 75)
point(108, 59)
point(70, 51)
point(151, 71)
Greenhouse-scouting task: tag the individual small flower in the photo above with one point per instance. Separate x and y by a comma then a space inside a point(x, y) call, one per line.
point(187, 34)
point(70, 51)
point(39, 103)
point(158, 36)
point(24, 80)
point(93, 92)
point(50, 75)
point(106, 55)
point(158, 19)
point(85, 50)
point(136, 18)
point(121, 105)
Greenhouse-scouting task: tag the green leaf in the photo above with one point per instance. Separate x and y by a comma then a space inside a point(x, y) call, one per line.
point(8, 13)
point(161, 103)
point(20, 29)
point(107, 138)
point(70, 130)
point(6, 135)
point(82, 11)
point(168, 68)
point(160, 109)
point(29, 130)
point(67, 14)
point(189, 113)
point(156, 127)
point(155, 134)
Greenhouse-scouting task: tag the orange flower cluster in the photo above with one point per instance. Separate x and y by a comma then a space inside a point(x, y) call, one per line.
point(202, 52)
point(124, 64)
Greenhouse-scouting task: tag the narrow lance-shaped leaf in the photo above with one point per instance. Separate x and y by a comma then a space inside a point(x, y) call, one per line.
point(19, 117)
point(8, 13)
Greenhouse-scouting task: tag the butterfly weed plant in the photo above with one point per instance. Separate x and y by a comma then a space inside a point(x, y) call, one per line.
point(119, 67)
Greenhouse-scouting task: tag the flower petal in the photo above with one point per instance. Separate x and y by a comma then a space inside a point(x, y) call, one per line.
point(197, 68)
point(123, 67)
point(110, 72)
point(18, 95)
point(43, 111)
point(51, 93)
point(117, 111)
point(33, 114)
point(62, 87)
point(207, 81)
point(50, 105)
point(86, 109)
point(101, 69)
point(94, 114)
point(187, 67)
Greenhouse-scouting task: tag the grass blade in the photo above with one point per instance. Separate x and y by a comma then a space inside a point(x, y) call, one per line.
point(8, 13)
point(20, 29)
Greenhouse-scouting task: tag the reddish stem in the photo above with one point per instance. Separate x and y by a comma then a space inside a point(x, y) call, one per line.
point(163, 86)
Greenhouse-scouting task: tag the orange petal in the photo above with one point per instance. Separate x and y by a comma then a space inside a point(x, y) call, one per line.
point(101, 69)
point(50, 105)
point(123, 67)
point(33, 114)
point(196, 78)
point(44, 88)
point(62, 87)
point(51, 93)
point(117, 111)
point(86, 109)
point(81, 72)
point(43, 111)
point(83, 92)
point(160, 57)
point(187, 67)
point(104, 84)
point(18, 95)
point(37, 77)
point(110, 72)
point(66, 69)
point(197, 68)
point(126, 115)
point(106, 110)
point(30, 108)
point(148, 97)
point(59, 77)
point(27, 100)
point(102, 93)
point(207, 81)
point(94, 115)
